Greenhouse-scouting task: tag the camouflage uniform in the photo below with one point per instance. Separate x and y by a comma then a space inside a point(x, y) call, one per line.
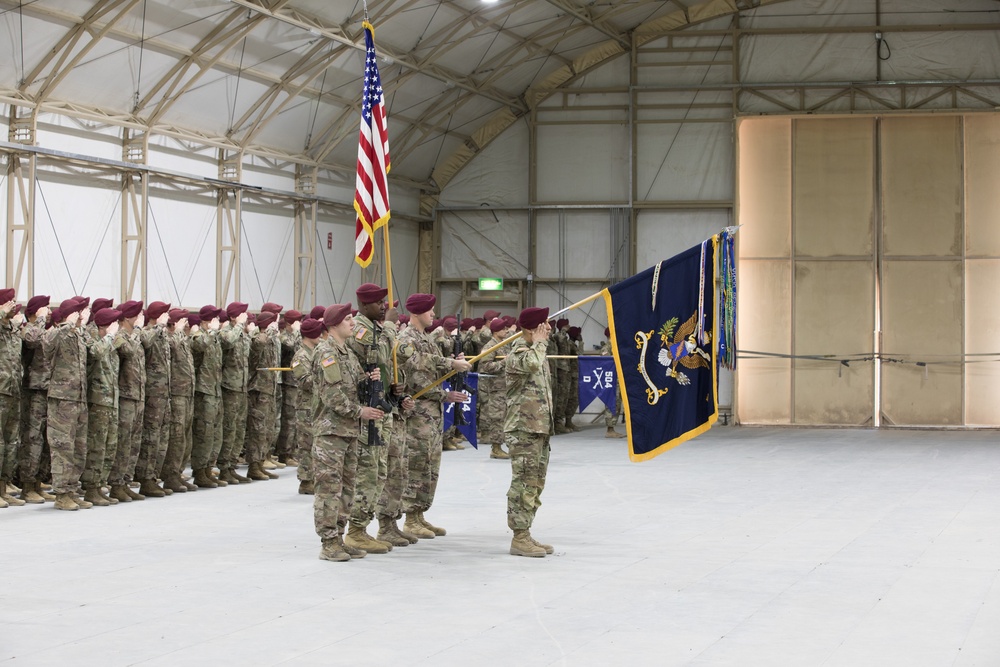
point(182, 380)
point(156, 414)
point(131, 405)
point(235, 357)
point(527, 427)
point(336, 416)
point(373, 462)
point(34, 458)
point(287, 442)
point(11, 376)
point(102, 402)
point(573, 379)
point(302, 366)
point(552, 349)
point(66, 356)
point(562, 381)
point(390, 502)
point(610, 420)
point(261, 389)
point(206, 426)
point(425, 423)
point(492, 395)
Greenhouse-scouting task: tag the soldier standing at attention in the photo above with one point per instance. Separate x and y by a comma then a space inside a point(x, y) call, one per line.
point(102, 399)
point(235, 357)
point(312, 332)
point(156, 415)
point(206, 425)
point(11, 376)
point(425, 423)
point(493, 391)
point(290, 337)
point(262, 389)
point(34, 448)
point(528, 426)
point(181, 403)
point(131, 401)
point(336, 375)
point(66, 356)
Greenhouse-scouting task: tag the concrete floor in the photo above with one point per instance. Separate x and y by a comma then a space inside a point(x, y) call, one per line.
point(743, 547)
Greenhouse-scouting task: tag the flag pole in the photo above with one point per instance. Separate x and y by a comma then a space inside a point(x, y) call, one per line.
point(496, 347)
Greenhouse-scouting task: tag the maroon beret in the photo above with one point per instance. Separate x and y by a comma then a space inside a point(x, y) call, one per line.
point(491, 314)
point(209, 312)
point(430, 328)
point(404, 319)
point(223, 317)
point(235, 309)
point(55, 315)
point(85, 300)
point(336, 313)
point(435, 323)
point(270, 307)
point(562, 322)
point(266, 318)
point(6, 294)
point(194, 319)
point(100, 304)
point(498, 324)
point(36, 302)
point(532, 317)
point(466, 324)
point(130, 309)
point(70, 306)
point(510, 320)
point(317, 312)
point(312, 328)
point(251, 318)
point(371, 293)
point(450, 323)
point(395, 304)
point(418, 303)
point(354, 312)
point(177, 314)
point(574, 333)
point(479, 323)
point(293, 316)
point(155, 309)
point(106, 316)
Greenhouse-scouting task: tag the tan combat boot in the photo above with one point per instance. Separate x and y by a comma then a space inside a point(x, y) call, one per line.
point(82, 502)
point(134, 495)
point(203, 480)
point(93, 496)
point(333, 551)
point(353, 552)
point(31, 495)
point(387, 532)
point(119, 493)
point(497, 452)
point(306, 487)
point(560, 428)
point(174, 483)
point(44, 492)
point(548, 547)
point(291, 462)
point(570, 426)
point(359, 539)
point(228, 475)
point(3, 504)
point(413, 526)
point(107, 496)
point(64, 501)
point(612, 433)
point(437, 530)
point(149, 489)
point(6, 497)
point(522, 545)
point(256, 472)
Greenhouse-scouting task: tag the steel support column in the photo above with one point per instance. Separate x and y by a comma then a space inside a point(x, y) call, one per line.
point(305, 240)
point(135, 212)
point(20, 272)
point(229, 221)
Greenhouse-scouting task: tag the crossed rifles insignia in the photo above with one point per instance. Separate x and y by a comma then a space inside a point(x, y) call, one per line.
point(678, 347)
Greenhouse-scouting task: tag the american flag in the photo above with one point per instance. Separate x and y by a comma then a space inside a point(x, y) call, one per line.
point(371, 196)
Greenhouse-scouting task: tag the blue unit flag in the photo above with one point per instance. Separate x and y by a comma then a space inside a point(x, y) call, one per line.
point(468, 411)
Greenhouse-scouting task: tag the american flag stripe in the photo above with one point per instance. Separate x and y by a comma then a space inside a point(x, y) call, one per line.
point(371, 196)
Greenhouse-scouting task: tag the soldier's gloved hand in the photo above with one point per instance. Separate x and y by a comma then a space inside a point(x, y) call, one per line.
point(456, 397)
point(460, 365)
point(392, 315)
point(84, 316)
point(214, 324)
point(272, 327)
point(72, 319)
point(140, 320)
point(42, 313)
point(181, 324)
point(163, 319)
point(369, 414)
point(112, 329)
point(241, 318)
point(297, 325)
point(252, 329)
point(6, 308)
point(408, 403)
point(18, 319)
point(194, 327)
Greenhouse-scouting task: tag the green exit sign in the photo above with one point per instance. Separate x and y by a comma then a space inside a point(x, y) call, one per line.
point(491, 284)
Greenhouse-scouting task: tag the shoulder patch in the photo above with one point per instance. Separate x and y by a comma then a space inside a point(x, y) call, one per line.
point(361, 333)
point(329, 361)
point(295, 363)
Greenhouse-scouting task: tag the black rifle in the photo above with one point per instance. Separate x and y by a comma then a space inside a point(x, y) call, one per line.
point(372, 392)
point(460, 381)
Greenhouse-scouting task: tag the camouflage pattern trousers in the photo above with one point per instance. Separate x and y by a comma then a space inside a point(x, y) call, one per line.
point(335, 465)
point(529, 462)
point(390, 502)
point(373, 465)
point(155, 436)
point(611, 419)
point(304, 444)
point(10, 431)
point(206, 431)
point(129, 441)
point(423, 453)
point(234, 416)
point(561, 395)
point(179, 449)
point(67, 434)
point(34, 412)
point(102, 445)
point(261, 425)
point(287, 443)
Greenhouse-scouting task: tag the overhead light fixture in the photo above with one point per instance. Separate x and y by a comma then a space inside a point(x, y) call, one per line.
point(490, 2)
